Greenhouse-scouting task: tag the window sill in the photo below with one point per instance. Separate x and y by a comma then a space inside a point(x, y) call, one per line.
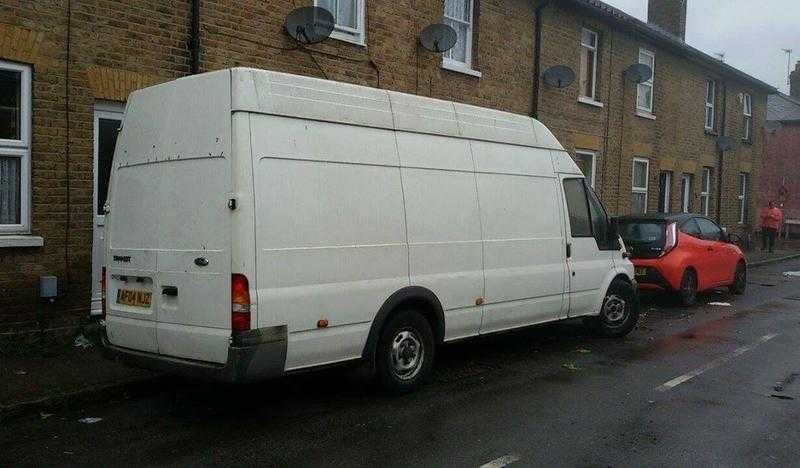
point(460, 68)
point(645, 115)
point(711, 132)
point(589, 101)
point(20, 241)
point(350, 38)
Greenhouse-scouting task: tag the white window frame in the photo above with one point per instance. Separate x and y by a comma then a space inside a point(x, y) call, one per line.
point(744, 186)
point(352, 35)
point(21, 149)
point(456, 65)
point(594, 63)
point(667, 192)
point(705, 190)
point(644, 190)
point(747, 112)
point(649, 83)
point(686, 192)
point(593, 156)
point(711, 86)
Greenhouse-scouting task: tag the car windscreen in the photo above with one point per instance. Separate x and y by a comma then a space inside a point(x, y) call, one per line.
point(644, 239)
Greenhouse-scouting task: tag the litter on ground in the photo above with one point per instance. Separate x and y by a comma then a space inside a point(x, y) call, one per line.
point(570, 366)
point(791, 273)
point(90, 420)
point(82, 342)
point(722, 304)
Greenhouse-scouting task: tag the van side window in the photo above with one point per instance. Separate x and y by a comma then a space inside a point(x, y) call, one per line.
point(577, 203)
point(690, 227)
point(599, 221)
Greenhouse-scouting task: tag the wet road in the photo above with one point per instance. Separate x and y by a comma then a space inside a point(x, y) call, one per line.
point(710, 385)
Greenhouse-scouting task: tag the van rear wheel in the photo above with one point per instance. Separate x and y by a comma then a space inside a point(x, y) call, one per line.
point(405, 352)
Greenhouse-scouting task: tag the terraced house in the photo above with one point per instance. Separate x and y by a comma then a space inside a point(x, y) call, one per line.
point(67, 67)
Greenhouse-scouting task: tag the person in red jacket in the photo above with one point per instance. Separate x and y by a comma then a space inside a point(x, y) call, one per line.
point(770, 223)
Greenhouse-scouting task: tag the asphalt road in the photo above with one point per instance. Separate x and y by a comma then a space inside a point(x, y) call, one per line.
point(710, 385)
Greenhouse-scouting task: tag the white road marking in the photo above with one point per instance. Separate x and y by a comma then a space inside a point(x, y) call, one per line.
point(505, 460)
point(713, 364)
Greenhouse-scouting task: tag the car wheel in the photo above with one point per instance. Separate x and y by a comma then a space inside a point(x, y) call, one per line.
point(688, 291)
point(619, 312)
point(404, 357)
point(739, 279)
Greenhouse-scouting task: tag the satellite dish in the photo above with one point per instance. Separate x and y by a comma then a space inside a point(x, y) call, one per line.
point(559, 76)
point(309, 25)
point(639, 73)
point(438, 37)
point(725, 143)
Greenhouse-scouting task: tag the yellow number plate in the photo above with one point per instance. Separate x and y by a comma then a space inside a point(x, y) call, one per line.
point(641, 271)
point(133, 297)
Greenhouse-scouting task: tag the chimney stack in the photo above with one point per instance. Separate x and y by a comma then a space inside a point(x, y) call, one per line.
point(794, 82)
point(669, 15)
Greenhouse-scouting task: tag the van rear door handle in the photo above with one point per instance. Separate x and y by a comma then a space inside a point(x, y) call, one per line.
point(169, 290)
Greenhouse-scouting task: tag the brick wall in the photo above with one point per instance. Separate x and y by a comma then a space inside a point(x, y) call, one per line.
point(780, 168)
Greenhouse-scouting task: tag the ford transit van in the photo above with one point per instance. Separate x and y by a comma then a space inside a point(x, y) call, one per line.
point(261, 223)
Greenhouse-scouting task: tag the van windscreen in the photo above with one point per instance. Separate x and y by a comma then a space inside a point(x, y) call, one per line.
point(644, 239)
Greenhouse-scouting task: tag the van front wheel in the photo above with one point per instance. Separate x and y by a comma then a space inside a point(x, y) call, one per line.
point(404, 357)
point(619, 312)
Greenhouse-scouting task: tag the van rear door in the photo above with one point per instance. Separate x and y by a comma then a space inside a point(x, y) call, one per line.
point(169, 224)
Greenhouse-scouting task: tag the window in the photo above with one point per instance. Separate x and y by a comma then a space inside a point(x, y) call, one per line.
point(743, 187)
point(691, 227)
point(644, 96)
point(709, 230)
point(600, 223)
point(705, 191)
point(15, 115)
point(349, 16)
point(588, 63)
point(585, 161)
point(747, 110)
point(664, 191)
point(711, 97)
point(578, 207)
point(458, 14)
point(686, 193)
point(641, 170)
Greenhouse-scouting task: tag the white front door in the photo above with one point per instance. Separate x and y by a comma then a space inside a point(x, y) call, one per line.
point(107, 121)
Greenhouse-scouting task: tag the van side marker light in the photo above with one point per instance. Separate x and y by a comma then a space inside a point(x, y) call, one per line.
point(479, 301)
point(322, 323)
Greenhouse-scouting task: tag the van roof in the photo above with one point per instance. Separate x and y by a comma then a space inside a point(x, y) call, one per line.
point(269, 92)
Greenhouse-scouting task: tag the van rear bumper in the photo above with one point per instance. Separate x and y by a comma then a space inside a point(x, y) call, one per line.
point(255, 355)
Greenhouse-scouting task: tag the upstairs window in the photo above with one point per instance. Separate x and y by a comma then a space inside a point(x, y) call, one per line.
point(459, 15)
point(586, 162)
point(349, 16)
point(588, 63)
point(705, 191)
point(747, 111)
point(644, 95)
point(15, 150)
point(711, 97)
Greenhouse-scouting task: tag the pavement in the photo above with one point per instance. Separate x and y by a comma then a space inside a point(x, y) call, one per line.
point(785, 249)
point(709, 385)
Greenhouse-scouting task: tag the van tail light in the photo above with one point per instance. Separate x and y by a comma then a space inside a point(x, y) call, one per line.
point(671, 238)
point(240, 303)
point(103, 284)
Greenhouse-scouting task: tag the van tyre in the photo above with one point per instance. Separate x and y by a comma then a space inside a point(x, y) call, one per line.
point(405, 353)
point(619, 312)
point(688, 290)
point(739, 284)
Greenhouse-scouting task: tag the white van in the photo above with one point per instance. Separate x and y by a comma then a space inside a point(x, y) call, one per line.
point(261, 223)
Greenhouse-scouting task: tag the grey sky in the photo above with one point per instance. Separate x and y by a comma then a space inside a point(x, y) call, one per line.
point(750, 33)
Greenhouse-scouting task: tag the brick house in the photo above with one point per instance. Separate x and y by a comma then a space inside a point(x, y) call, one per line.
point(780, 176)
point(67, 66)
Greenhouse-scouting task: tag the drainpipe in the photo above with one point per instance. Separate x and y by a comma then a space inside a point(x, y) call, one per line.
point(194, 39)
point(537, 56)
point(721, 155)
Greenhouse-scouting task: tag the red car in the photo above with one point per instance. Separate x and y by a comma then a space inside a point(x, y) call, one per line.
point(683, 253)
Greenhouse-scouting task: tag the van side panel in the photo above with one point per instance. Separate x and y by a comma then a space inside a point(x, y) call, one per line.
point(330, 232)
point(524, 252)
point(444, 230)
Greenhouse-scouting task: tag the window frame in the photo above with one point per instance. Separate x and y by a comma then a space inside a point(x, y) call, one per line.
point(711, 86)
point(747, 116)
point(744, 187)
point(467, 65)
point(358, 35)
point(21, 148)
point(593, 49)
point(593, 156)
point(582, 182)
point(686, 192)
point(650, 82)
point(666, 207)
point(705, 190)
point(634, 188)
